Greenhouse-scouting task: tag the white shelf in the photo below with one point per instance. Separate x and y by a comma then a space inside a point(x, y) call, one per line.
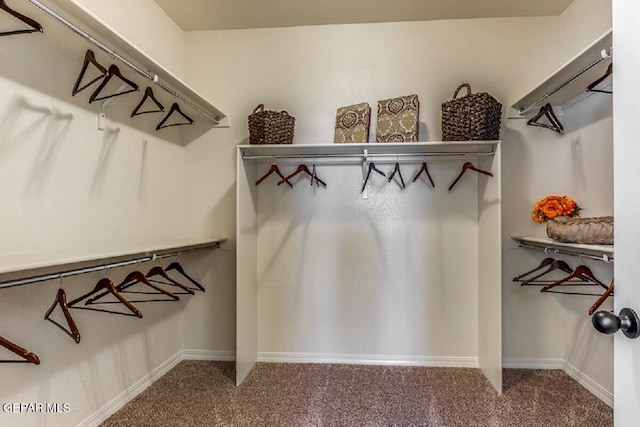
point(604, 252)
point(21, 262)
point(565, 82)
point(372, 149)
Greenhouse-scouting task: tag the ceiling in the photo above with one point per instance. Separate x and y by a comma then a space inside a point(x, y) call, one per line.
point(243, 14)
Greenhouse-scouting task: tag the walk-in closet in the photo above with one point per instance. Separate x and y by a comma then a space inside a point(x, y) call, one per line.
point(159, 266)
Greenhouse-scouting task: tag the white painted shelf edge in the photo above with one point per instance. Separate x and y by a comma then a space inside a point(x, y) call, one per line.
point(604, 251)
point(79, 15)
point(373, 148)
point(574, 88)
point(12, 263)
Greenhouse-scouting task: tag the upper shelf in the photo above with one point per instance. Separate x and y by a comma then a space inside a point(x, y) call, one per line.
point(571, 80)
point(600, 252)
point(372, 149)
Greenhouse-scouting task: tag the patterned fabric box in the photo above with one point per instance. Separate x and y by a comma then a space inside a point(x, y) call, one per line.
point(398, 119)
point(352, 123)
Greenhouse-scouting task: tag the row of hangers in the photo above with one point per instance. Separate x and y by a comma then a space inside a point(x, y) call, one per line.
point(128, 86)
point(546, 111)
point(579, 276)
point(105, 287)
point(371, 168)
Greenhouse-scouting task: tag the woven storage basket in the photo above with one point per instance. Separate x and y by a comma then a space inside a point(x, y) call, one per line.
point(474, 117)
point(270, 127)
point(595, 231)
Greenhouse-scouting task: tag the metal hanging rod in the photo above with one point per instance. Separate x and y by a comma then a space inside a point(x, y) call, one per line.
point(548, 250)
point(149, 76)
point(358, 158)
point(604, 55)
point(100, 267)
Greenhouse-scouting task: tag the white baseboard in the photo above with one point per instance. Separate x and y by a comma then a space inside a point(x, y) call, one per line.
point(126, 396)
point(582, 379)
point(368, 359)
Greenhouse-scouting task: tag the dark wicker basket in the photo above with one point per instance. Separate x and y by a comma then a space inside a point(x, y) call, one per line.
point(270, 127)
point(474, 117)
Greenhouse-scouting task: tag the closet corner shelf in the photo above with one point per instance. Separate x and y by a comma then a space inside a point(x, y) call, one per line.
point(568, 84)
point(372, 149)
point(22, 262)
point(74, 12)
point(603, 252)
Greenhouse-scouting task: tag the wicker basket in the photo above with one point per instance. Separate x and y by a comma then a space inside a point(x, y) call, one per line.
point(595, 231)
point(474, 117)
point(270, 127)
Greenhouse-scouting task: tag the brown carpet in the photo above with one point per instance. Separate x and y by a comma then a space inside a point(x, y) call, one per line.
point(201, 393)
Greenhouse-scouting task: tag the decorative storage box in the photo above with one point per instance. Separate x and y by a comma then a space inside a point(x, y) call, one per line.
point(595, 231)
point(398, 119)
point(270, 127)
point(474, 117)
point(352, 123)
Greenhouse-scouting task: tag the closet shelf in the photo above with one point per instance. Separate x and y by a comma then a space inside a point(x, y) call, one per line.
point(102, 36)
point(599, 252)
point(13, 263)
point(568, 84)
point(432, 148)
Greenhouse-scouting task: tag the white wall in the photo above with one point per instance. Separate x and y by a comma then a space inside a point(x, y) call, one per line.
point(312, 71)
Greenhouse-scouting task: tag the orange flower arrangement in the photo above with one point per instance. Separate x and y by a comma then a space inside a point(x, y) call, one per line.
point(553, 206)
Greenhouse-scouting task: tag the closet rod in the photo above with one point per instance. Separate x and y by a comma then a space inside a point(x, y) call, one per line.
point(358, 157)
point(151, 77)
point(523, 110)
point(101, 267)
point(548, 250)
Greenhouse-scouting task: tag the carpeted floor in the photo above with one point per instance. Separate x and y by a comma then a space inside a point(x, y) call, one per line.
point(201, 393)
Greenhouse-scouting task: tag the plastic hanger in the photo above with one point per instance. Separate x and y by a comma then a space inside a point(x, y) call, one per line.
point(148, 94)
point(25, 354)
point(302, 168)
point(175, 108)
point(108, 287)
point(176, 266)
point(35, 25)
point(89, 58)
point(424, 169)
point(607, 73)
point(273, 169)
point(372, 167)
point(465, 167)
point(396, 169)
point(61, 300)
point(547, 111)
point(581, 271)
point(111, 72)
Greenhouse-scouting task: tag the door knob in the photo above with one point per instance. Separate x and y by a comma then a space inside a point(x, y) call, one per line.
point(608, 323)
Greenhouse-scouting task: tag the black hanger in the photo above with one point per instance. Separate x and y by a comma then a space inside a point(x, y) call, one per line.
point(372, 167)
point(89, 58)
point(175, 108)
point(61, 300)
point(35, 26)
point(26, 355)
point(111, 72)
point(396, 169)
point(176, 266)
point(303, 168)
point(465, 167)
point(424, 169)
point(273, 169)
point(607, 73)
point(106, 285)
point(546, 111)
point(148, 94)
